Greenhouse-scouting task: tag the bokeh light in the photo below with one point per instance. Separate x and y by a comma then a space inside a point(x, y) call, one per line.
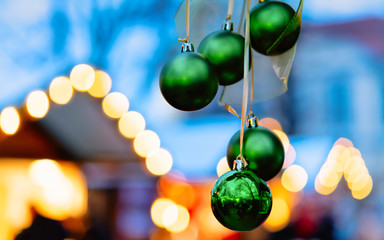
point(283, 138)
point(37, 104)
point(279, 216)
point(115, 105)
point(158, 208)
point(145, 142)
point(363, 192)
point(222, 167)
point(344, 142)
point(322, 189)
point(60, 90)
point(270, 123)
point(290, 157)
point(294, 178)
point(131, 124)
point(82, 77)
point(159, 161)
point(181, 222)
point(9, 120)
point(45, 172)
point(102, 84)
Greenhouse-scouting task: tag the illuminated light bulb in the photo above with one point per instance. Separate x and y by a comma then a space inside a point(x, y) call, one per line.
point(335, 153)
point(323, 190)
point(37, 104)
point(279, 216)
point(364, 192)
point(294, 178)
point(102, 84)
point(290, 157)
point(344, 142)
point(159, 161)
point(270, 123)
point(344, 157)
point(222, 167)
point(145, 142)
point(45, 173)
point(82, 77)
point(170, 215)
point(131, 124)
point(181, 222)
point(115, 105)
point(157, 210)
point(60, 90)
point(9, 120)
point(283, 138)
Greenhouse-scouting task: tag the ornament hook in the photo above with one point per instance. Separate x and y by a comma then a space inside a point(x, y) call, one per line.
point(252, 121)
point(240, 163)
point(227, 25)
point(187, 47)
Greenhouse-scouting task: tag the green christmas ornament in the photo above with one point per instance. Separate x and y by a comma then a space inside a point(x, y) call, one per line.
point(225, 50)
point(268, 21)
point(188, 81)
point(240, 200)
point(262, 150)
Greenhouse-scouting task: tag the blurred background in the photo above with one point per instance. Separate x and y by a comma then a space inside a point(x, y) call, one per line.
point(91, 150)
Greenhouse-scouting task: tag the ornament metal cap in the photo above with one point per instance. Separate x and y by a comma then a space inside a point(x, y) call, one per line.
point(187, 47)
point(252, 121)
point(227, 25)
point(238, 164)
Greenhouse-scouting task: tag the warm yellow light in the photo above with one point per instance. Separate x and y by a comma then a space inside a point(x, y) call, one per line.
point(102, 84)
point(37, 104)
point(181, 222)
point(270, 123)
point(344, 157)
point(9, 120)
point(330, 174)
point(364, 192)
point(353, 161)
point(359, 182)
point(335, 153)
point(60, 90)
point(82, 77)
point(222, 167)
point(279, 217)
point(322, 189)
point(294, 178)
point(131, 124)
point(190, 233)
point(45, 173)
point(283, 138)
point(354, 172)
point(145, 142)
point(354, 152)
point(158, 208)
point(290, 157)
point(115, 105)
point(159, 162)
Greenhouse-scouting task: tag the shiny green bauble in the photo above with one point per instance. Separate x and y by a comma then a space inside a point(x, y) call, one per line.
point(225, 50)
point(262, 150)
point(268, 20)
point(188, 81)
point(240, 200)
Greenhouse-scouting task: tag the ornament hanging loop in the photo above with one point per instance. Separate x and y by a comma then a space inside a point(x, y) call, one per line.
point(187, 11)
